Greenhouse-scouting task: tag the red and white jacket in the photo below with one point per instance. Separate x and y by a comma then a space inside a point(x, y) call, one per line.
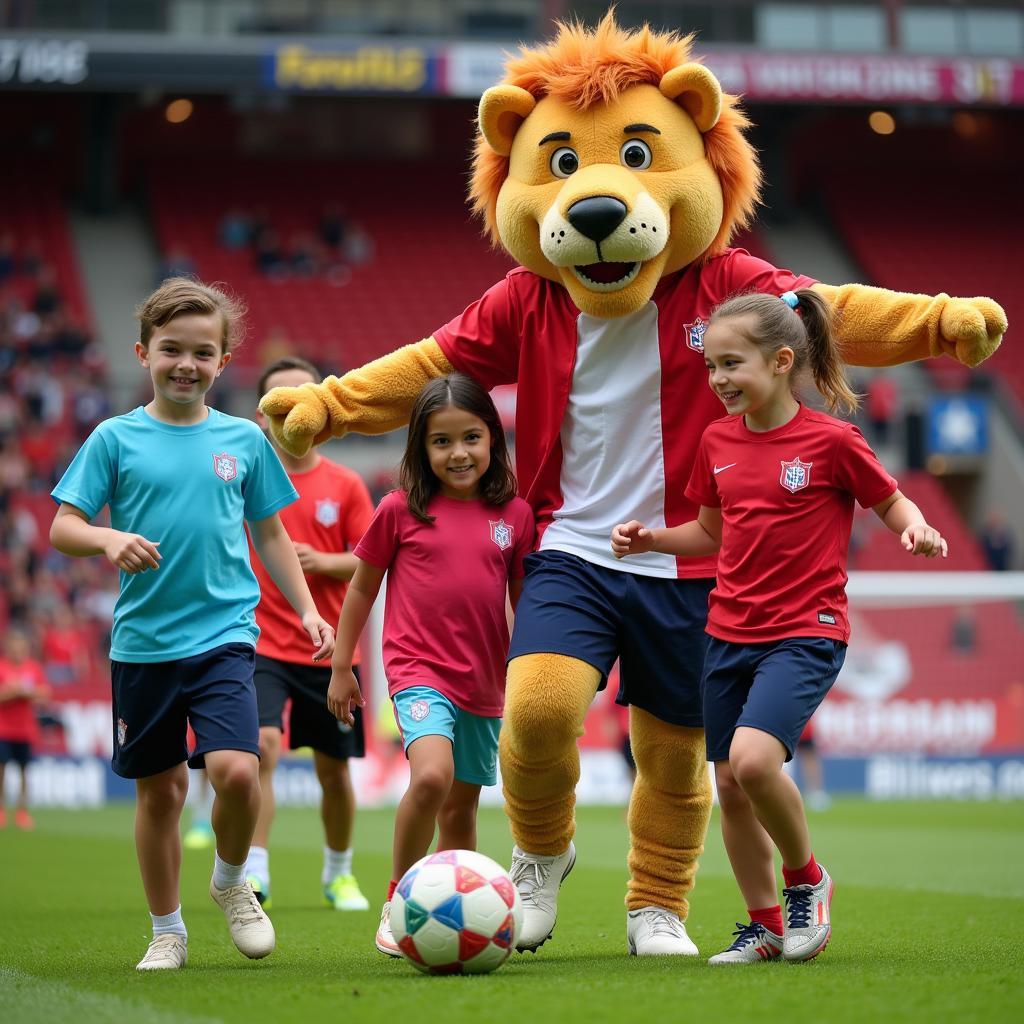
point(610, 412)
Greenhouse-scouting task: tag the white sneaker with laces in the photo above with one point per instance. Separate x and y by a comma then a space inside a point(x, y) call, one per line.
point(385, 940)
point(655, 931)
point(538, 879)
point(754, 944)
point(251, 930)
point(808, 924)
point(167, 952)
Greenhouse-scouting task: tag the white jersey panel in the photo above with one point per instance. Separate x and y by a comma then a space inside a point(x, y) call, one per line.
point(613, 468)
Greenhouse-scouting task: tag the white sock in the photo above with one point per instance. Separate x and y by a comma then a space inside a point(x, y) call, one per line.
point(258, 863)
point(165, 923)
point(226, 875)
point(336, 862)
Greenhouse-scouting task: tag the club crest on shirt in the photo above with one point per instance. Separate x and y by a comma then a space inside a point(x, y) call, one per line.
point(695, 334)
point(418, 710)
point(327, 512)
point(122, 731)
point(501, 533)
point(225, 466)
point(795, 475)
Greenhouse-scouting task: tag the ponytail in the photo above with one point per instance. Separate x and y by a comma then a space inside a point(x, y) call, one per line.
point(823, 352)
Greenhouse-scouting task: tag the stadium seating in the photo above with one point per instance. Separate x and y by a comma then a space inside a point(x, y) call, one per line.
point(911, 236)
point(430, 260)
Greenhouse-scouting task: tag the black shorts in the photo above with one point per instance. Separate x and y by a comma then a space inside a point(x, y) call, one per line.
point(155, 701)
point(15, 750)
point(310, 723)
point(654, 626)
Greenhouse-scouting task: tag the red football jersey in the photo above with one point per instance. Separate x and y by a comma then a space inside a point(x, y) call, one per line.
point(332, 513)
point(786, 497)
point(18, 717)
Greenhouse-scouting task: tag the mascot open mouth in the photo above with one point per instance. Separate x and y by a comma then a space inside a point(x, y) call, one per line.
point(606, 276)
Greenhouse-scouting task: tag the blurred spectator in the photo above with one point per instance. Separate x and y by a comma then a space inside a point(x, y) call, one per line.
point(881, 405)
point(235, 229)
point(963, 638)
point(47, 298)
point(269, 258)
point(64, 646)
point(22, 688)
point(177, 263)
point(304, 256)
point(8, 265)
point(998, 541)
point(357, 249)
point(333, 225)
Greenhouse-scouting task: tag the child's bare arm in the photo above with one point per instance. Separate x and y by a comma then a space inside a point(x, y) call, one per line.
point(902, 516)
point(72, 534)
point(700, 536)
point(277, 553)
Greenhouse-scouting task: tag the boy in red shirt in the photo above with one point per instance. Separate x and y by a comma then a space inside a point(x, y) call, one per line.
point(325, 524)
point(776, 483)
point(22, 686)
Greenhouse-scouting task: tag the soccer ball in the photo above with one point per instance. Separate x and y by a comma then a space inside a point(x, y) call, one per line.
point(456, 912)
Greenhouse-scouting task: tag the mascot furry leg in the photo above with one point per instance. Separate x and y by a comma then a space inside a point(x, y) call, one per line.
point(546, 700)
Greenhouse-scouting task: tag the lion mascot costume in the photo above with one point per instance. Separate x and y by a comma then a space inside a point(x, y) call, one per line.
point(613, 169)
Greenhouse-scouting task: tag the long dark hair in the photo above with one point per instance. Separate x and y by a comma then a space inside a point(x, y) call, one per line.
point(417, 479)
point(809, 330)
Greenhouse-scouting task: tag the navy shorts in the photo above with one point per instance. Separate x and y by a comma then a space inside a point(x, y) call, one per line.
point(774, 687)
point(154, 702)
point(653, 626)
point(17, 751)
point(310, 724)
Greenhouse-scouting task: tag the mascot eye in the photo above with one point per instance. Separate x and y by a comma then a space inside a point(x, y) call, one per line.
point(564, 162)
point(635, 155)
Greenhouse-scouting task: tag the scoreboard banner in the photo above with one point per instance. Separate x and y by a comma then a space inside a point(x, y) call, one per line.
point(354, 66)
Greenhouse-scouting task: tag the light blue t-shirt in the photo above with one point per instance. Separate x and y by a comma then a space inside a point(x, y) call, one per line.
point(190, 488)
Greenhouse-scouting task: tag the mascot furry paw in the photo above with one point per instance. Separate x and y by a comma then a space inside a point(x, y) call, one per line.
point(615, 171)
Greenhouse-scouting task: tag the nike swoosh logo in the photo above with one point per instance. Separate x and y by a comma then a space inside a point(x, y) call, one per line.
point(722, 469)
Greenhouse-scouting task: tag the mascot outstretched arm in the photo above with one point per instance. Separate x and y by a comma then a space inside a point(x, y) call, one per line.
point(614, 170)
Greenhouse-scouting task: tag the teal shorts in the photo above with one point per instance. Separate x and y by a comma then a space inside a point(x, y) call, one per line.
point(422, 711)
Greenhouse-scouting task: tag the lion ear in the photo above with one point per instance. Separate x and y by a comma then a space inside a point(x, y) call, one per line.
point(697, 90)
point(503, 108)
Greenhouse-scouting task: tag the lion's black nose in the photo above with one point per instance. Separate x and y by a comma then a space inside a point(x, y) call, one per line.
point(597, 217)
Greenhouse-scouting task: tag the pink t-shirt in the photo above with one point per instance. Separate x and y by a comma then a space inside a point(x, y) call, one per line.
point(444, 614)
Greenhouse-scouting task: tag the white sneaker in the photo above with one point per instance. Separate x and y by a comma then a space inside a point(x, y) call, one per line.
point(251, 930)
point(754, 944)
point(167, 952)
point(808, 924)
point(654, 931)
point(538, 879)
point(385, 940)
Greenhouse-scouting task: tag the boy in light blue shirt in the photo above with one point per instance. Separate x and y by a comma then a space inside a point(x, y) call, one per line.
point(182, 481)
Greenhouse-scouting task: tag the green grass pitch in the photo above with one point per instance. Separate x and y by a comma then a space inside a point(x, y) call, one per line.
point(927, 917)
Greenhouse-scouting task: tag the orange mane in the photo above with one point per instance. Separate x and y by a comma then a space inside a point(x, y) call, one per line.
point(583, 67)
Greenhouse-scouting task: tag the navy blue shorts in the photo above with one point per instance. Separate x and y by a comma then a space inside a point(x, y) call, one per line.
point(310, 724)
point(17, 751)
point(154, 702)
point(653, 626)
point(774, 687)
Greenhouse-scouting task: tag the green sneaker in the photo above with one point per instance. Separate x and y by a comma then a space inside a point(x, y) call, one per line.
point(342, 893)
point(260, 889)
point(199, 836)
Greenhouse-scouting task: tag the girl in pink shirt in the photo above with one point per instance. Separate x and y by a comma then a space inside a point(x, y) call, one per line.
point(776, 484)
point(452, 543)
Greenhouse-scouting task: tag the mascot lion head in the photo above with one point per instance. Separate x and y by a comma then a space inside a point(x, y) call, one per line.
point(607, 159)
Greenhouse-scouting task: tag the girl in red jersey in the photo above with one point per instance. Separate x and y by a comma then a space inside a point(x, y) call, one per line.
point(452, 543)
point(776, 483)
